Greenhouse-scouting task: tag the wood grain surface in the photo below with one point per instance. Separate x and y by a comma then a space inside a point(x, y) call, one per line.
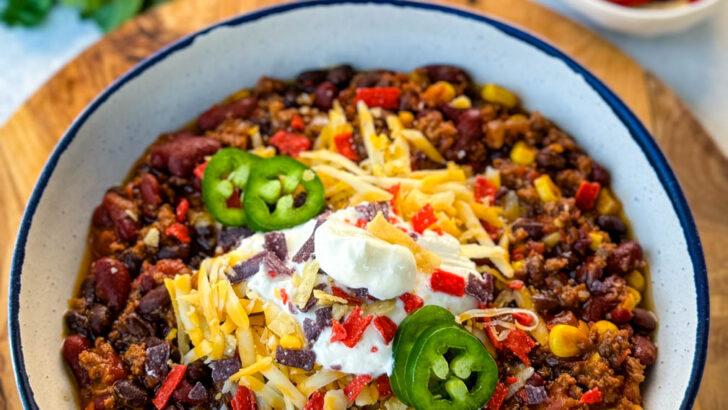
point(28, 137)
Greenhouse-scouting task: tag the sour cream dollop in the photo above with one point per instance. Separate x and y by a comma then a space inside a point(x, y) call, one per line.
point(357, 259)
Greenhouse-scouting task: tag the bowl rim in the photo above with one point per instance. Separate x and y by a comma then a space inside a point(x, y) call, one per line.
point(636, 129)
point(643, 14)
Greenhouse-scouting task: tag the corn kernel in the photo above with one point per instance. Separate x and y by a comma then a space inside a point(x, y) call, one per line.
point(522, 154)
point(566, 340)
point(406, 118)
point(551, 239)
point(461, 102)
point(636, 280)
point(335, 400)
point(290, 342)
point(546, 189)
point(439, 93)
point(239, 95)
point(604, 326)
point(596, 240)
point(517, 266)
point(500, 95)
point(606, 204)
point(632, 300)
point(517, 117)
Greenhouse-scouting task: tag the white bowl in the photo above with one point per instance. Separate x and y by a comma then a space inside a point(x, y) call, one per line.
point(644, 21)
point(163, 92)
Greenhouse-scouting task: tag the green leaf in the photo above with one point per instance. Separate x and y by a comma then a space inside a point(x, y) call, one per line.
point(87, 7)
point(114, 12)
point(26, 12)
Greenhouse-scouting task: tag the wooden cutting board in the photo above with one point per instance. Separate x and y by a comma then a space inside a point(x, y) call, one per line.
point(28, 137)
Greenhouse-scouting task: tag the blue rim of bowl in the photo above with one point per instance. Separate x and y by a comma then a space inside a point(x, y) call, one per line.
point(636, 128)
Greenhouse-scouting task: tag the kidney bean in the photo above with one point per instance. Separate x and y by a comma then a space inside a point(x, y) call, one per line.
point(131, 394)
point(612, 225)
point(113, 282)
point(566, 317)
point(548, 158)
point(149, 188)
point(72, 347)
point(450, 112)
point(408, 101)
point(600, 174)
point(644, 319)
point(101, 401)
point(625, 258)
point(121, 211)
point(620, 315)
point(101, 217)
point(99, 319)
point(324, 95)
point(470, 129)
point(536, 380)
point(182, 154)
point(644, 350)
point(153, 302)
point(217, 114)
point(449, 73)
point(340, 76)
point(308, 80)
point(589, 272)
point(367, 79)
point(594, 309)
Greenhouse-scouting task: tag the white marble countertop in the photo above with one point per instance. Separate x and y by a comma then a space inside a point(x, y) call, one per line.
point(694, 63)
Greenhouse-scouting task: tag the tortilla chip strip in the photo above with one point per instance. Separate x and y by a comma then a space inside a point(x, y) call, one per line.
point(426, 261)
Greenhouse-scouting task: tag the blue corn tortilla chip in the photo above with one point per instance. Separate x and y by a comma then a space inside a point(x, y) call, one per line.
point(223, 369)
point(247, 268)
point(480, 288)
point(302, 359)
point(276, 242)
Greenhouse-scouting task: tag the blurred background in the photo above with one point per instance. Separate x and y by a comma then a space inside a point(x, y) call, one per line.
point(693, 62)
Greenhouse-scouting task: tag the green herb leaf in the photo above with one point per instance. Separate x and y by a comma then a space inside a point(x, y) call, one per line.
point(114, 12)
point(26, 12)
point(87, 7)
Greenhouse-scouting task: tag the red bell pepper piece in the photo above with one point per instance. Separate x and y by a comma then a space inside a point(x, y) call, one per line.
point(315, 402)
point(385, 97)
point(182, 207)
point(423, 218)
point(284, 296)
point(289, 143)
point(394, 190)
point(297, 123)
point(345, 145)
point(586, 195)
point(356, 386)
point(511, 379)
point(386, 327)
point(170, 383)
point(199, 170)
point(446, 282)
point(523, 318)
point(520, 343)
point(484, 189)
point(385, 389)
point(490, 331)
point(179, 231)
point(593, 396)
point(515, 284)
point(498, 397)
point(244, 399)
point(411, 302)
point(338, 292)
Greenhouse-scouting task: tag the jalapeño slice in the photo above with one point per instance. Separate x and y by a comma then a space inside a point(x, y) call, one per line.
point(410, 328)
point(224, 183)
point(274, 190)
point(449, 368)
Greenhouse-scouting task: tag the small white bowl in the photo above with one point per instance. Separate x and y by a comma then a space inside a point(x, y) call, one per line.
point(644, 21)
point(163, 92)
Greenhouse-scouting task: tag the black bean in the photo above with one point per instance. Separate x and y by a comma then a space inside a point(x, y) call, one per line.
point(131, 394)
point(544, 302)
point(76, 323)
point(340, 76)
point(138, 327)
point(533, 229)
point(99, 319)
point(154, 302)
point(449, 73)
point(600, 174)
point(548, 158)
point(612, 225)
point(308, 80)
point(88, 290)
point(175, 251)
point(324, 95)
point(644, 319)
point(133, 261)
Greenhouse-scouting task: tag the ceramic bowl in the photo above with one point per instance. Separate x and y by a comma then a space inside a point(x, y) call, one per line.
point(163, 92)
point(645, 21)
